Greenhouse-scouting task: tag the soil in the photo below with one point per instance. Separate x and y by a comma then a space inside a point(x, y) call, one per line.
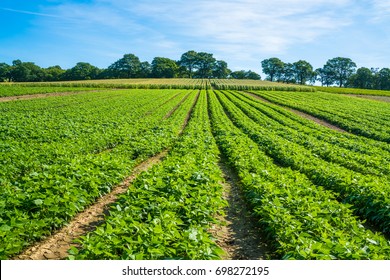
point(42, 95)
point(238, 234)
point(302, 114)
point(374, 97)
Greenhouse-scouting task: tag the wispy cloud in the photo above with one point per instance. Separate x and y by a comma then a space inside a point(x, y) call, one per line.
point(29, 13)
point(239, 31)
point(381, 10)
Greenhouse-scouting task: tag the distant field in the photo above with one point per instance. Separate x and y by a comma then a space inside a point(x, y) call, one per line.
point(356, 91)
point(174, 84)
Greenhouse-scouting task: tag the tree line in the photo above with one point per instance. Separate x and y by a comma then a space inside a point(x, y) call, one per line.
point(338, 71)
point(192, 64)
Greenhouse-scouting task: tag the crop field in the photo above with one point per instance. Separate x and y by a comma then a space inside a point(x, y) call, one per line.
point(312, 192)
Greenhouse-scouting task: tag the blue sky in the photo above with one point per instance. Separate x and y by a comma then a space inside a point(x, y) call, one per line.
point(241, 32)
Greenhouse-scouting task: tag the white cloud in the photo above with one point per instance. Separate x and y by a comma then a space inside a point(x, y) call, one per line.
point(381, 10)
point(240, 31)
point(270, 26)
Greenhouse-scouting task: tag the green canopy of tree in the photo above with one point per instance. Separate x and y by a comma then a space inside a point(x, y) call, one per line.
point(303, 71)
point(82, 71)
point(188, 62)
point(340, 69)
point(129, 66)
point(164, 68)
point(273, 68)
point(247, 75)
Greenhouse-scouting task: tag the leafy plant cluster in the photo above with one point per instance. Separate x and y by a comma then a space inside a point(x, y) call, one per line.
point(353, 152)
point(59, 154)
point(362, 117)
point(368, 194)
point(301, 220)
point(168, 210)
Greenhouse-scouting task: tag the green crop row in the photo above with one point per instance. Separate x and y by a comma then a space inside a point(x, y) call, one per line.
point(369, 195)
point(167, 211)
point(301, 220)
point(339, 148)
point(362, 117)
point(59, 154)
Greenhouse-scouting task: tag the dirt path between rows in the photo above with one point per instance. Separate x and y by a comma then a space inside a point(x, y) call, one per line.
point(56, 246)
point(372, 97)
point(302, 114)
point(43, 95)
point(238, 234)
point(170, 113)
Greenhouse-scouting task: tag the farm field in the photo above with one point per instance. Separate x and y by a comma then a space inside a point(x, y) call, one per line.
point(143, 83)
point(313, 192)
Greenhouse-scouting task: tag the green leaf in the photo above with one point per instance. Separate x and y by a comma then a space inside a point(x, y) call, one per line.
point(38, 202)
point(5, 228)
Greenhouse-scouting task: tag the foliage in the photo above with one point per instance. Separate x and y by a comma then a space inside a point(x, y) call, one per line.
point(358, 116)
point(60, 154)
point(242, 75)
point(163, 68)
point(301, 220)
point(273, 67)
point(339, 70)
point(167, 211)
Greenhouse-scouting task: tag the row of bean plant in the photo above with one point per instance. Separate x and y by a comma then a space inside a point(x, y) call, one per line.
point(368, 159)
point(369, 194)
point(57, 160)
point(300, 220)
point(364, 117)
point(167, 211)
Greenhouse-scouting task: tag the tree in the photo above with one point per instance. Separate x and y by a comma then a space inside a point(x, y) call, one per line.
point(340, 69)
point(363, 78)
point(383, 79)
point(324, 76)
point(221, 70)
point(146, 70)
point(5, 71)
point(288, 73)
point(82, 71)
point(164, 68)
point(54, 73)
point(238, 74)
point(26, 72)
point(129, 66)
point(188, 61)
point(242, 74)
point(303, 71)
point(273, 68)
point(250, 75)
point(204, 64)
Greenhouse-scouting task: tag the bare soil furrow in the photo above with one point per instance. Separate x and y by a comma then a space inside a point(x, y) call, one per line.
point(57, 245)
point(44, 95)
point(238, 235)
point(175, 108)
